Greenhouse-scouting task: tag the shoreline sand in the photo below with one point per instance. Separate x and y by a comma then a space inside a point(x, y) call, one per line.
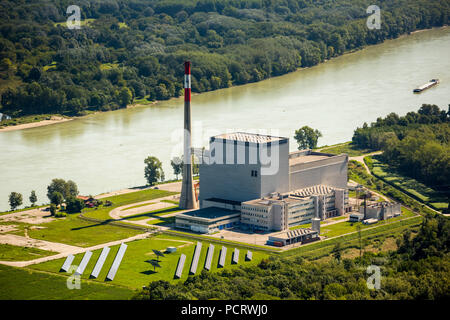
point(41, 123)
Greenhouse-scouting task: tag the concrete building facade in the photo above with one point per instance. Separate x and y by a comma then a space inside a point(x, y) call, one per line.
point(283, 211)
point(235, 167)
point(381, 210)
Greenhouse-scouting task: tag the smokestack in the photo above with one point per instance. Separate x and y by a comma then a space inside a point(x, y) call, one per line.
point(187, 198)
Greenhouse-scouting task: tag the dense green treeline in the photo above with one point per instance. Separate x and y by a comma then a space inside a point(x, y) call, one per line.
point(419, 269)
point(418, 144)
point(134, 49)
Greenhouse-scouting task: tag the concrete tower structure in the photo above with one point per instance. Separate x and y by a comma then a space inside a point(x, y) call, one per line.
point(187, 198)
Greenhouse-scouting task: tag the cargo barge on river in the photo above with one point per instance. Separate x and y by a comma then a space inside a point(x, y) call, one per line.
point(426, 86)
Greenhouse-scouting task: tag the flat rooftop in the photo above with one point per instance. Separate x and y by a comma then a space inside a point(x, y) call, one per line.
point(290, 234)
point(313, 190)
point(268, 201)
point(306, 158)
point(249, 137)
point(210, 213)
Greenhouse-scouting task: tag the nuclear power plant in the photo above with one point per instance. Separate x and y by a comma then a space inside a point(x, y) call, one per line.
point(252, 182)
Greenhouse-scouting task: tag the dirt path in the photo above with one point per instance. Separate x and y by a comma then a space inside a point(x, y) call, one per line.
point(21, 241)
point(155, 204)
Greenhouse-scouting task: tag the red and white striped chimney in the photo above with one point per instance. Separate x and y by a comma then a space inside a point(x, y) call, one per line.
point(187, 197)
point(187, 81)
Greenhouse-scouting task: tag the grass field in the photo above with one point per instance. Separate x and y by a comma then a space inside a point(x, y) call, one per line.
point(25, 284)
point(154, 213)
point(344, 227)
point(408, 185)
point(16, 253)
point(124, 199)
point(74, 231)
point(135, 272)
point(346, 147)
point(320, 249)
point(84, 22)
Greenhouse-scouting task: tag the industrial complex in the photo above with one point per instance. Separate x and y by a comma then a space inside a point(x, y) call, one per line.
point(253, 181)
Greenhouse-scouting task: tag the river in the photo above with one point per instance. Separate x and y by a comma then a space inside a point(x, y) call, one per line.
point(105, 151)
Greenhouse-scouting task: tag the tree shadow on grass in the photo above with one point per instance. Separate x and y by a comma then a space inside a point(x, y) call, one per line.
point(148, 272)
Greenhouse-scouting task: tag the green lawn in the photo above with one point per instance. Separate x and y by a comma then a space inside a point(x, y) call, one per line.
point(84, 22)
point(135, 272)
point(108, 66)
point(344, 227)
point(74, 231)
point(143, 101)
point(408, 185)
point(323, 248)
point(347, 147)
point(16, 253)
point(26, 284)
point(102, 212)
point(138, 206)
point(154, 213)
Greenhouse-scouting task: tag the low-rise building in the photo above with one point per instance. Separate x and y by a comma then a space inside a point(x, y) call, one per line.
point(288, 237)
point(381, 210)
point(207, 220)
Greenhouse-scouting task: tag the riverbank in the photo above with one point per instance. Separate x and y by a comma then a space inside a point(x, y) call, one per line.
point(37, 123)
point(40, 120)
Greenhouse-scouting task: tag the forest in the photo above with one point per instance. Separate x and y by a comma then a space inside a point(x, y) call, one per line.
point(418, 144)
point(133, 50)
point(418, 269)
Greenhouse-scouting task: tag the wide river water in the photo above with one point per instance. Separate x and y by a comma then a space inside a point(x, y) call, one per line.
point(105, 151)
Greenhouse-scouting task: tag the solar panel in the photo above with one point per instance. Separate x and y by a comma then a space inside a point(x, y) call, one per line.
point(180, 266)
point(116, 262)
point(223, 255)
point(249, 256)
point(194, 264)
point(87, 256)
point(236, 256)
point(158, 253)
point(154, 263)
point(66, 265)
point(100, 261)
point(209, 257)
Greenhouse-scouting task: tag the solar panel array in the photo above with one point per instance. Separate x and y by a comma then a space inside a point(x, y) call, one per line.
point(194, 264)
point(209, 257)
point(249, 256)
point(87, 256)
point(180, 266)
point(223, 254)
point(100, 261)
point(116, 263)
point(236, 256)
point(66, 265)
